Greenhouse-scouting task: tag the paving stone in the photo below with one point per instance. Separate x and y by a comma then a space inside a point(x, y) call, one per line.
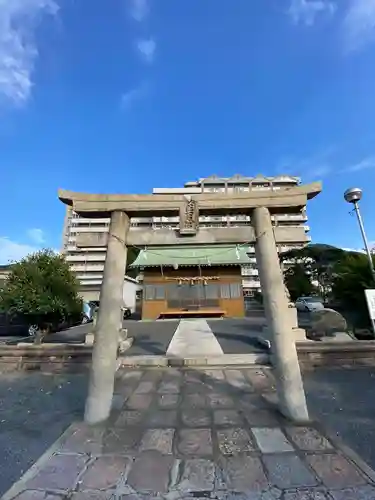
point(121, 441)
point(232, 441)
point(259, 380)
point(193, 376)
point(150, 472)
point(145, 387)
point(288, 471)
point(59, 473)
point(194, 401)
point(261, 418)
point(169, 387)
point(267, 494)
point(195, 442)
point(173, 373)
point(253, 402)
point(123, 389)
point(84, 439)
point(218, 400)
point(227, 417)
point(197, 475)
point(118, 402)
point(308, 439)
point(103, 473)
point(162, 418)
point(358, 493)
point(308, 494)
point(131, 375)
point(129, 417)
point(243, 473)
point(94, 495)
point(195, 388)
point(36, 495)
point(271, 398)
point(157, 439)
point(196, 418)
point(168, 400)
point(214, 374)
point(152, 376)
point(335, 471)
point(237, 379)
point(271, 440)
point(139, 401)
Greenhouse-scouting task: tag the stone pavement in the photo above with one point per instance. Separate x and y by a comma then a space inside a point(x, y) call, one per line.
point(196, 434)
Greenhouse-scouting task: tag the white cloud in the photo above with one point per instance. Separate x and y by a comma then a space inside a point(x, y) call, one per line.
point(318, 172)
point(364, 164)
point(310, 168)
point(359, 24)
point(36, 235)
point(13, 251)
point(139, 9)
point(18, 49)
point(305, 11)
point(130, 97)
point(147, 48)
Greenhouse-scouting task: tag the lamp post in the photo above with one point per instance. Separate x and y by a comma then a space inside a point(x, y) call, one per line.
point(353, 195)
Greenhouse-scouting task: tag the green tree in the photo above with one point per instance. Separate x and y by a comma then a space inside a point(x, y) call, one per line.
point(43, 289)
point(318, 262)
point(298, 281)
point(352, 277)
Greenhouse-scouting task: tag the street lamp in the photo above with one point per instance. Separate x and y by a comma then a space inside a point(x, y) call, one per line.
point(353, 195)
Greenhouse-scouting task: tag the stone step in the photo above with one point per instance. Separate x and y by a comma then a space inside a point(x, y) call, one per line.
point(254, 358)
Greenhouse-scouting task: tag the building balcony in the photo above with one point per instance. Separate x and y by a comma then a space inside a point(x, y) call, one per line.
point(84, 268)
point(93, 222)
point(250, 284)
point(91, 282)
point(290, 217)
point(249, 272)
point(91, 229)
point(90, 276)
point(92, 257)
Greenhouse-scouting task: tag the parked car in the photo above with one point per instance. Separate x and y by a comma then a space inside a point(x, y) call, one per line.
point(87, 312)
point(309, 304)
point(11, 326)
point(127, 312)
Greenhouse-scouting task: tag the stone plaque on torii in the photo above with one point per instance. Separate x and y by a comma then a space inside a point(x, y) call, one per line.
point(259, 205)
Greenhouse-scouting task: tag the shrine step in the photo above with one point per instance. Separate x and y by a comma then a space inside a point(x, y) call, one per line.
point(254, 358)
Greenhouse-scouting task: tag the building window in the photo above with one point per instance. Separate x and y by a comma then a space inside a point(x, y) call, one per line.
point(235, 291)
point(225, 291)
point(212, 291)
point(231, 290)
point(154, 292)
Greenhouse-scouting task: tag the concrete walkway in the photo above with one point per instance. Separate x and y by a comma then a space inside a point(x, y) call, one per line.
point(193, 337)
point(176, 434)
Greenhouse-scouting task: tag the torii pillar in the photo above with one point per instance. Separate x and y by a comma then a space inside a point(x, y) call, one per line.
point(104, 355)
point(290, 391)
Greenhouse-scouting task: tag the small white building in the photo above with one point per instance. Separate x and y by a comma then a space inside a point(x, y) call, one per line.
point(131, 286)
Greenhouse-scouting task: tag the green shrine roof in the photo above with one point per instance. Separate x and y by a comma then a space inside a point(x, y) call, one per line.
point(204, 255)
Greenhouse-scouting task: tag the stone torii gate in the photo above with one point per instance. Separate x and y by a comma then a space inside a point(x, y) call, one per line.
point(259, 204)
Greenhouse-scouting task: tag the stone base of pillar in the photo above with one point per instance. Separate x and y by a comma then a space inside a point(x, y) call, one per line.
point(89, 338)
point(124, 343)
point(297, 334)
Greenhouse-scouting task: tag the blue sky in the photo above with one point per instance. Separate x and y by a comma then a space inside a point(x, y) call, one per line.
point(127, 95)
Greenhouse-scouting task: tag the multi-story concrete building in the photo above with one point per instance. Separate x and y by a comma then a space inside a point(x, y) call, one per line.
point(88, 263)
